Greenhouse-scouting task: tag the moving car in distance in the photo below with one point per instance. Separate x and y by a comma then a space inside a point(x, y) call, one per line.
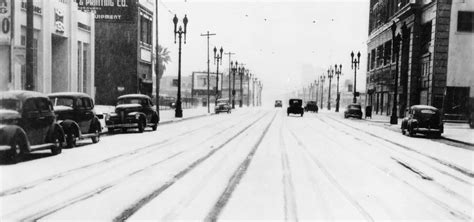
point(311, 106)
point(27, 124)
point(295, 107)
point(75, 113)
point(278, 103)
point(222, 106)
point(422, 119)
point(132, 111)
point(353, 110)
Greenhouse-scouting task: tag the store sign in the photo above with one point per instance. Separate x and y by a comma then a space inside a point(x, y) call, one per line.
point(109, 10)
point(59, 21)
point(5, 21)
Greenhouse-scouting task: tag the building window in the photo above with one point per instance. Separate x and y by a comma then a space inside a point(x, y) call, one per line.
point(380, 57)
point(79, 66)
point(145, 30)
point(465, 21)
point(387, 52)
point(372, 59)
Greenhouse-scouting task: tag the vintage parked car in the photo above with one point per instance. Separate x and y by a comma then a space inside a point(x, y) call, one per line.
point(311, 106)
point(278, 103)
point(353, 110)
point(75, 113)
point(222, 106)
point(27, 124)
point(295, 107)
point(422, 119)
point(132, 111)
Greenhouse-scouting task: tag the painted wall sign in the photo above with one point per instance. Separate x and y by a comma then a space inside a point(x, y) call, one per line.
point(36, 9)
point(5, 22)
point(109, 10)
point(59, 21)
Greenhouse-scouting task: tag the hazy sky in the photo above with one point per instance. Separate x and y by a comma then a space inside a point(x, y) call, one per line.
point(285, 43)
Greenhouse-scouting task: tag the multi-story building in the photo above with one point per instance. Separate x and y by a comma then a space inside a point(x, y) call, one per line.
point(63, 47)
point(124, 47)
point(435, 55)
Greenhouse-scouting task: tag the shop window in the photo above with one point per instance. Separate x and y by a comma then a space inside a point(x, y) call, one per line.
point(145, 30)
point(465, 21)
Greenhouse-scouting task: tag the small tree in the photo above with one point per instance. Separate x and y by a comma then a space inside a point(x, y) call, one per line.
point(163, 58)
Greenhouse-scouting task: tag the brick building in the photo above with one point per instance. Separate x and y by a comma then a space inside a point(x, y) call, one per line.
point(435, 55)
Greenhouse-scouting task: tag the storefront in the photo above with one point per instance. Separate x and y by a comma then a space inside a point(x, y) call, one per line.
point(63, 48)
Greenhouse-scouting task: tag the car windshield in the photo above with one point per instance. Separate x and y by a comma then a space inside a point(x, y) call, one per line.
point(129, 101)
point(62, 101)
point(354, 107)
point(221, 104)
point(10, 104)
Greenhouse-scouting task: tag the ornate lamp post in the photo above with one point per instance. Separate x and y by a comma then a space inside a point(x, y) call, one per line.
point(241, 74)
point(253, 90)
point(330, 76)
point(338, 72)
point(396, 49)
point(234, 70)
point(316, 83)
point(179, 32)
point(355, 65)
point(218, 57)
point(322, 79)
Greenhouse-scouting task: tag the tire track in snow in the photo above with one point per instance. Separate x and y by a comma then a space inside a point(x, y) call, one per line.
point(147, 198)
point(223, 199)
point(39, 214)
point(333, 180)
point(451, 210)
point(163, 143)
point(290, 206)
point(462, 170)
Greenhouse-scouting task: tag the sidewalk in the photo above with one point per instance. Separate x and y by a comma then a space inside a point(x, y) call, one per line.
point(457, 132)
point(166, 116)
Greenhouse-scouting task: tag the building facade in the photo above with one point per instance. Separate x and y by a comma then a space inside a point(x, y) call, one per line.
point(124, 47)
point(63, 47)
point(434, 55)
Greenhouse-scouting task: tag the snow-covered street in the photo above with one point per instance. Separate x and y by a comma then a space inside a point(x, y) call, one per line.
point(252, 164)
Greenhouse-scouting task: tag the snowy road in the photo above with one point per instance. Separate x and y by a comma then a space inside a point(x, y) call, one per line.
point(249, 165)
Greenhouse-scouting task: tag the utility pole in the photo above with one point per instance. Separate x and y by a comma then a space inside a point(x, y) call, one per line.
point(208, 68)
point(29, 46)
point(230, 93)
point(157, 65)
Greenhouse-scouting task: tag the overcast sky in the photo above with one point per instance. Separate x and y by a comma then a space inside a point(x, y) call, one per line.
point(286, 44)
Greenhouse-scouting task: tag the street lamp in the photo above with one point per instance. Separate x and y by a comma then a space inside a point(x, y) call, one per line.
point(234, 70)
point(322, 79)
point(330, 76)
point(241, 74)
point(179, 32)
point(218, 57)
point(355, 64)
point(253, 90)
point(338, 72)
point(316, 83)
point(396, 48)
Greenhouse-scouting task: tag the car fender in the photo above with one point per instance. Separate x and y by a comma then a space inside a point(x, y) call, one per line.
point(55, 128)
point(155, 116)
point(8, 132)
point(69, 126)
point(95, 123)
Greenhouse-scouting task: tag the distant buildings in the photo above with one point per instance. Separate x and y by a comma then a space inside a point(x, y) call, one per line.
point(63, 47)
point(124, 47)
point(436, 54)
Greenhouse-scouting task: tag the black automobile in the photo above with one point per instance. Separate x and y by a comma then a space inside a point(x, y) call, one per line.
point(353, 110)
point(222, 106)
point(311, 106)
point(27, 124)
point(295, 107)
point(422, 119)
point(75, 113)
point(132, 111)
point(278, 103)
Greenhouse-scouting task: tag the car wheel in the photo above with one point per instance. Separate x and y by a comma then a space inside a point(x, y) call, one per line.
point(154, 127)
point(403, 132)
point(96, 138)
point(58, 145)
point(411, 133)
point(70, 140)
point(15, 154)
point(288, 114)
point(301, 114)
point(345, 116)
point(141, 126)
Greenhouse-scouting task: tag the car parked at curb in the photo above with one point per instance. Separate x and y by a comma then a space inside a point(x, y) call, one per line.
point(222, 106)
point(132, 111)
point(278, 103)
point(422, 119)
point(353, 110)
point(75, 113)
point(28, 124)
point(295, 107)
